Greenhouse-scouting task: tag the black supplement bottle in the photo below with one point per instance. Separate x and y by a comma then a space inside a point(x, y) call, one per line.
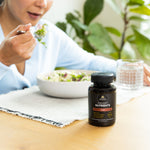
point(102, 100)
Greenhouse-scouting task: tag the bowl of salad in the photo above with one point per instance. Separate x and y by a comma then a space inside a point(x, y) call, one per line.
point(65, 83)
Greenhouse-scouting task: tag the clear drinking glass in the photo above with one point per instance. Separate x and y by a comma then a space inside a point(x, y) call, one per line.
point(129, 73)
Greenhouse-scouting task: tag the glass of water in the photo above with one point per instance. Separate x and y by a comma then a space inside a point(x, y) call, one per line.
point(129, 73)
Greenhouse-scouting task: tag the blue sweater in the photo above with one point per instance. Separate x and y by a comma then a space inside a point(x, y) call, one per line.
point(61, 51)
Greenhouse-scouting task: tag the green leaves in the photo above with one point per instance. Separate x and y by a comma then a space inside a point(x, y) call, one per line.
point(80, 25)
point(74, 22)
point(70, 17)
point(135, 2)
point(142, 44)
point(91, 9)
point(113, 31)
point(137, 18)
point(94, 37)
point(100, 39)
point(144, 10)
point(62, 26)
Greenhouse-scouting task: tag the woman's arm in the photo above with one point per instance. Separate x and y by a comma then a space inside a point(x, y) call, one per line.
point(146, 75)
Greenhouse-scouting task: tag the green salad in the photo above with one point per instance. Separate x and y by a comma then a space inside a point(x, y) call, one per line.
point(68, 76)
point(40, 33)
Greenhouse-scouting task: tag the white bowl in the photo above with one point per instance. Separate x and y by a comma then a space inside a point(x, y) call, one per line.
point(74, 89)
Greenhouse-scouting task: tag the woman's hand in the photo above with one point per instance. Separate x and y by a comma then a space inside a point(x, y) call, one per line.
point(146, 75)
point(17, 48)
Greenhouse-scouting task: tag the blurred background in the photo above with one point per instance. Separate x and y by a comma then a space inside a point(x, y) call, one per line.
point(123, 26)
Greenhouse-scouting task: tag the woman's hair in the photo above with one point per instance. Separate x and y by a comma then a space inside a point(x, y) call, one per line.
point(1, 1)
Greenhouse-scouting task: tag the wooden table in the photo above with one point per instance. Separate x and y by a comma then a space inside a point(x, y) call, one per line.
point(130, 132)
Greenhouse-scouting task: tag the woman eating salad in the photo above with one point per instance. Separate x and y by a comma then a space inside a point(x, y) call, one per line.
point(30, 45)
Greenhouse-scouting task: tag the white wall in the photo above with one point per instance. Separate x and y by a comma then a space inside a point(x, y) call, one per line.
point(61, 7)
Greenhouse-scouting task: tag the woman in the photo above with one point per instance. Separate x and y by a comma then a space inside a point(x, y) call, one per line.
point(22, 58)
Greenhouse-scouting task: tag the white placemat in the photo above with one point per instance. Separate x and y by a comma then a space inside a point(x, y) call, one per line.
point(32, 104)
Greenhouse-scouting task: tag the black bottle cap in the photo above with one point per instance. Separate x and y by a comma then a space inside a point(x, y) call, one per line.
point(103, 78)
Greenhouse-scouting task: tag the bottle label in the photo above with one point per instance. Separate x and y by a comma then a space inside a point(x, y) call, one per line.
point(103, 106)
